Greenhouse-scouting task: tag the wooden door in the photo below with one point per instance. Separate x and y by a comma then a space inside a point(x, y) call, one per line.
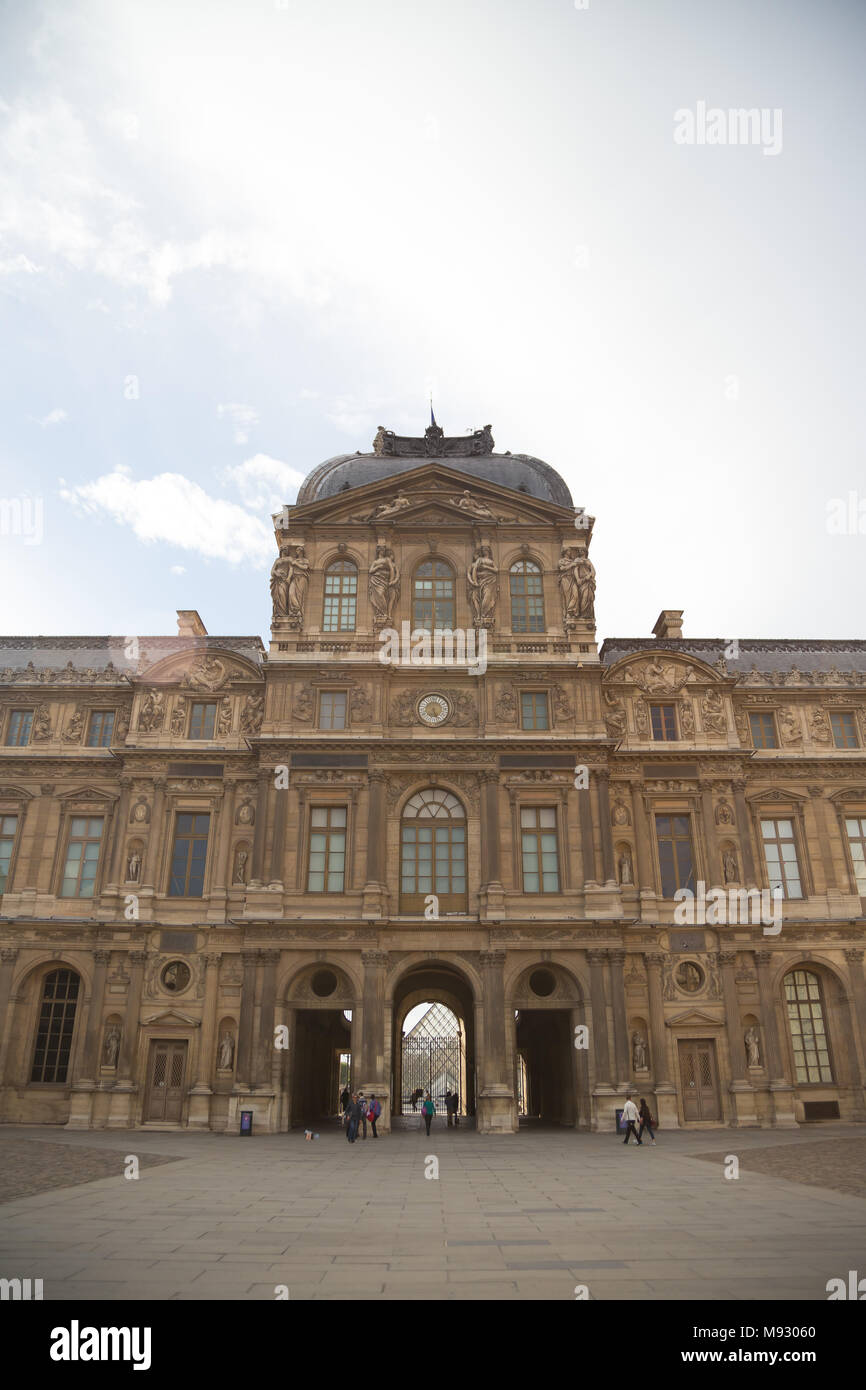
point(166, 1081)
point(699, 1079)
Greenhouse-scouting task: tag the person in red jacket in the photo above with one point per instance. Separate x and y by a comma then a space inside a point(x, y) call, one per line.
point(374, 1110)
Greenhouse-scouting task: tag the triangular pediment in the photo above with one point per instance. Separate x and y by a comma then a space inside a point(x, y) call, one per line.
point(172, 1016)
point(431, 494)
point(692, 1018)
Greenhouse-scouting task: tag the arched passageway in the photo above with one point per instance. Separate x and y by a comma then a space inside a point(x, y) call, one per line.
point(438, 1052)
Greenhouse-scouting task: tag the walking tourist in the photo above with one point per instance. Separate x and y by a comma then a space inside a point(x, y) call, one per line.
point(629, 1119)
point(374, 1110)
point(353, 1116)
point(455, 1101)
point(428, 1110)
point(362, 1101)
point(646, 1121)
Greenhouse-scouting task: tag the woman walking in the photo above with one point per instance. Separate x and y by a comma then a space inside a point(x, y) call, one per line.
point(428, 1110)
point(646, 1121)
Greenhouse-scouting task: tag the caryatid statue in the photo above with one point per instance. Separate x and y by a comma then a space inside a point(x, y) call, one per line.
point(482, 586)
point(383, 585)
point(585, 579)
point(290, 578)
point(568, 584)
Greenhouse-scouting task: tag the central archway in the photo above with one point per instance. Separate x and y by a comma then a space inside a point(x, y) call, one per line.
point(440, 1055)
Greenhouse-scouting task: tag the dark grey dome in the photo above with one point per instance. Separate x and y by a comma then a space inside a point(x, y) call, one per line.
point(394, 456)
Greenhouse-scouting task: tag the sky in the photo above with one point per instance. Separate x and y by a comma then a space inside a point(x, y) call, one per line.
point(236, 237)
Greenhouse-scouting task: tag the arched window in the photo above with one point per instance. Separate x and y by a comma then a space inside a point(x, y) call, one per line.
point(341, 596)
point(433, 852)
point(527, 597)
point(56, 1024)
point(433, 596)
point(806, 1024)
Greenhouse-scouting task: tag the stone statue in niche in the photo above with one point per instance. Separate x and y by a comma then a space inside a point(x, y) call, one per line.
point(639, 1052)
point(482, 587)
point(383, 585)
point(626, 871)
point(111, 1046)
point(177, 723)
point(240, 870)
point(226, 1052)
point(687, 719)
point(152, 712)
point(133, 866)
point(730, 868)
point(752, 1040)
point(615, 721)
point(252, 712)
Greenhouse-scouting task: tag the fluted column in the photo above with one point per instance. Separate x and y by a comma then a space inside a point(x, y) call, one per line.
point(8, 957)
point(376, 829)
point(264, 778)
point(265, 1050)
point(829, 874)
point(278, 846)
point(587, 847)
point(781, 1089)
point(598, 1002)
point(205, 1068)
point(244, 1072)
point(372, 1069)
point(665, 1090)
point(602, 779)
point(744, 826)
point(727, 961)
point(137, 961)
point(490, 827)
point(158, 829)
point(645, 876)
point(222, 868)
point(118, 833)
point(620, 1021)
point(711, 839)
point(496, 1106)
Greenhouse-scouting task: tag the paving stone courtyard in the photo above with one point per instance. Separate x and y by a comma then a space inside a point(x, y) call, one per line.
point(524, 1217)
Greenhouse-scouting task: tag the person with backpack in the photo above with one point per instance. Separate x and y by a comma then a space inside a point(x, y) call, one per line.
point(374, 1110)
point(629, 1119)
point(428, 1110)
point(646, 1121)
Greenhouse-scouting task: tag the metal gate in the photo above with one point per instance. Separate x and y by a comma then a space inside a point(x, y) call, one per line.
point(434, 1065)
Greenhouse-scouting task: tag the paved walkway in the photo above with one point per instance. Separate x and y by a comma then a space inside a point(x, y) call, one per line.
point(523, 1217)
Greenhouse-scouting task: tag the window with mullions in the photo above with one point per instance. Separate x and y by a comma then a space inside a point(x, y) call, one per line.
point(332, 709)
point(763, 727)
point(433, 852)
point(189, 855)
point(527, 597)
point(202, 720)
point(844, 729)
point(806, 1023)
point(664, 722)
point(20, 724)
point(82, 857)
point(539, 849)
point(780, 857)
point(676, 863)
point(8, 827)
point(100, 728)
point(341, 596)
point(327, 867)
point(433, 596)
point(56, 1025)
point(533, 709)
point(855, 827)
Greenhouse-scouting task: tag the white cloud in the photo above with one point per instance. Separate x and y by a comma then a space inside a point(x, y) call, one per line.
point(19, 265)
point(265, 483)
point(244, 417)
point(172, 509)
point(54, 417)
point(177, 569)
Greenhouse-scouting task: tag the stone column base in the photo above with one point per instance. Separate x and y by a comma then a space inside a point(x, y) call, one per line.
point(496, 1112)
point(744, 1113)
point(199, 1108)
point(666, 1105)
point(81, 1106)
point(604, 1107)
point(492, 901)
point(374, 902)
point(782, 1096)
point(121, 1106)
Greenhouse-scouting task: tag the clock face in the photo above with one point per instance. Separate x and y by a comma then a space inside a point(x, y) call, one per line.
point(434, 709)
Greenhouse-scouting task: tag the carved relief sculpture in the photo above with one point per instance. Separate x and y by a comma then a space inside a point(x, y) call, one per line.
point(360, 706)
point(482, 587)
point(614, 722)
point(224, 723)
point(383, 586)
point(713, 713)
point(41, 725)
point(252, 713)
point(687, 719)
point(304, 704)
point(724, 815)
point(473, 505)
point(820, 728)
point(569, 590)
point(619, 814)
point(177, 723)
point(75, 727)
point(152, 712)
point(790, 727)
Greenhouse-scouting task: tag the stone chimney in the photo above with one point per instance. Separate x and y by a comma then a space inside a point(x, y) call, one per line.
point(189, 624)
point(669, 624)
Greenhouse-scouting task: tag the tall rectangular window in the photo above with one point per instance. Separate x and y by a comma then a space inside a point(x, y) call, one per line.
point(856, 829)
point(664, 723)
point(327, 866)
point(763, 728)
point(676, 863)
point(202, 720)
point(540, 849)
point(844, 729)
point(100, 728)
point(56, 1026)
point(332, 709)
point(189, 856)
point(20, 724)
point(8, 827)
point(780, 857)
point(533, 708)
point(341, 590)
point(806, 1023)
point(82, 857)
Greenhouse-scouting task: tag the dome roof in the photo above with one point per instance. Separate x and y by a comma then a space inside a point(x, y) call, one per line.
point(473, 454)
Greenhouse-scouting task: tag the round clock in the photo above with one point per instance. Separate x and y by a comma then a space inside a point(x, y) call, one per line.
point(434, 709)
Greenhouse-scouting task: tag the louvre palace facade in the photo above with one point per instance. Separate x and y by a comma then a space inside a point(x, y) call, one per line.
point(228, 873)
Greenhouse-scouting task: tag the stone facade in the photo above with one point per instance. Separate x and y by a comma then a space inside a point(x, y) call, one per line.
point(200, 889)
